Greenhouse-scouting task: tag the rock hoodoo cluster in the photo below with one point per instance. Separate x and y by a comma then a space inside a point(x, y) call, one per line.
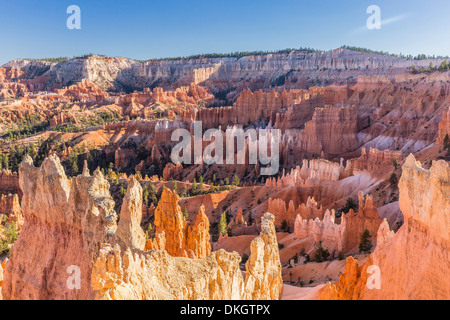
point(345, 236)
point(70, 224)
point(413, 262)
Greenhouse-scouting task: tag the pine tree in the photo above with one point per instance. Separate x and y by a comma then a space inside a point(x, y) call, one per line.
point(184, 193)
point(393, 179)
point(320, 255)
point(200, 183)
point(194, 187)
point(175, 185)
point(395, 162)
point(185, 214)
point(145, 194)
point(223, 224)
point(236, 181)
point(446, 141)
point(138, 176)
point(444, 66)
point(365, 244)
point(284, 226)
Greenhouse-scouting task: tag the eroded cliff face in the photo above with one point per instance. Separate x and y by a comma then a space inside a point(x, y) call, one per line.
point(254, 72)
point(414, 262)
point(72, 223)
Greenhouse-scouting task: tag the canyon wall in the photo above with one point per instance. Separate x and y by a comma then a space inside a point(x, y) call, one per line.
point(253, 72)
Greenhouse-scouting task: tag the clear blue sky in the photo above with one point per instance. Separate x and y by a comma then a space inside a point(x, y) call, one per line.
point(154, 29)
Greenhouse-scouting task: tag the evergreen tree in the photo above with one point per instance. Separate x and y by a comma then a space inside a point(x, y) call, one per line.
point(320, 255)
point(365, 244)
point(236, 181)
point(284, 226)
point(145, 194)
point(194, 187)
point(395, 162)
point(446, 141)
point(223, 224)
point(185, 214)
point(200, 183)
point(393, 179)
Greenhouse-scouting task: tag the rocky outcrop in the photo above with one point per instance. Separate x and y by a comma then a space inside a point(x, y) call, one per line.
point(197, 238)
point(353, 224)
point(263, 268)
point(444, 127)
point(70, 231)
point(2, 270)
point(413, 263)
point(325, 231)
point(10, 207)
point(65, 223)
point(134, 274)
point(172, 171)
point(345, 236)
point(129, 227)
point(373, 160)
point(169, 219)
point(83, 90)
point(9, 183)
point(181, 238)
point(311, 173)
point(308, 210)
